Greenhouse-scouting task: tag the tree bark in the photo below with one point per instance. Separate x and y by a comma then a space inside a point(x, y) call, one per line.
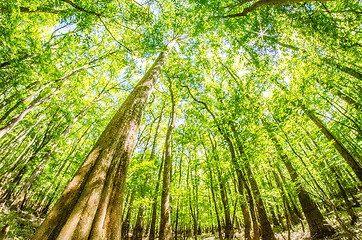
point(266, 230)
point(91, 205)
point(165, 222)
point(340, 94)
point(127, 220)
point(318, 226)
point(352, 161)
point(138, 229)
point(224, 198)
point(213, 196)
point(241, 178)
point(154, 204)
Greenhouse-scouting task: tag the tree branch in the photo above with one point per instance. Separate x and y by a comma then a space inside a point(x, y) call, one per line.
point(80, 8)
point(100, 18)
point(263, 3)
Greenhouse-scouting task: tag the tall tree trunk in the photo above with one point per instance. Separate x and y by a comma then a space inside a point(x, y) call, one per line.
point(340, 94)
point(165, 222)
point(91, 205)
point(342, 68)
point(154, 203)
point(224, 198)
point(138, 229)
point(318, 226)
point(352, 161)
point(18, 103)
point(15, 120)
point(19, 157)
point(192, 212)
point(349, 209)
point(244, 210)
point(266, 229)
point(242, 184)
point(127, 220)
point(6, 177)
point(178, 197)
point(19, 199)
point(43, 208)
point(213, 196)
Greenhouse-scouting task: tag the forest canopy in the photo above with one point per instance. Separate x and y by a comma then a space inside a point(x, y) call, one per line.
point(180, 119)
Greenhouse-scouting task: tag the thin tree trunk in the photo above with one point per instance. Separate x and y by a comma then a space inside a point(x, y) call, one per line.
point(127, 221)
point(266, 230)
point(19, 199)
point(224, 198)
point(18, 103)
point(154, 203)
point(241, 178)
point(91, 205)
point(192, 212)
point(318, 226)
point(178, 197)
point(20, 140)
point(15, 120)
point(165, 222)
point(352, 161)
point(138, 229)
point(213, 196)
point(43, 208)
point(347, 70)
point(340, 94)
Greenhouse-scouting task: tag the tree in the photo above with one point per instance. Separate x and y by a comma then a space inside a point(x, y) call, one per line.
point(96, 190)
point(165, 222)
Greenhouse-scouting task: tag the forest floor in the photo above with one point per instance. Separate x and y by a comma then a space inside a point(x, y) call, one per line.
point(22, 225)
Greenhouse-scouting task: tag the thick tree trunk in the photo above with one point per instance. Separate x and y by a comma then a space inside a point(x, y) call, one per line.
point(91, 205)
point(165, 222)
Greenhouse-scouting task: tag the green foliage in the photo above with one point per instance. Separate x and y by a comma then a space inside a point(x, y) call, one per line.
point(226, 73)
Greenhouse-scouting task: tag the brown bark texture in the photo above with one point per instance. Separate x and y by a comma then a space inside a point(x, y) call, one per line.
point(91, 205)
point(165, 222)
